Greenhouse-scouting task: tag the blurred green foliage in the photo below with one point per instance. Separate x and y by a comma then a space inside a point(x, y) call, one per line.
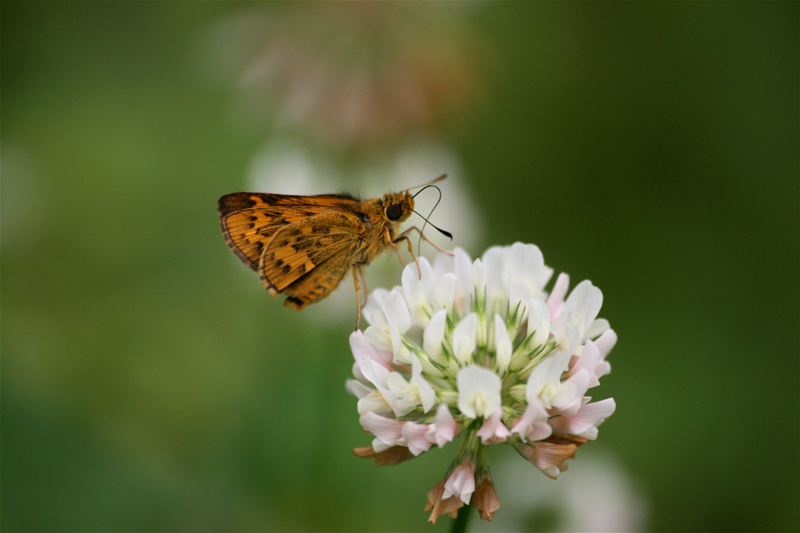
point(149, 384)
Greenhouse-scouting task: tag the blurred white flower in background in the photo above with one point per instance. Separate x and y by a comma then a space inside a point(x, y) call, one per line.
point(348, 74)
point(599, 495)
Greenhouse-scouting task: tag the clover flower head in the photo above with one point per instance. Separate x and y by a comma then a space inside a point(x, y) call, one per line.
point(479, 349)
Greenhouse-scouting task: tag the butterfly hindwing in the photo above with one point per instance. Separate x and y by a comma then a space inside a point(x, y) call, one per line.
point(291, 261)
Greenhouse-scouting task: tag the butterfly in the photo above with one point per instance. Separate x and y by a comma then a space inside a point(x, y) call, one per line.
point(303, 246)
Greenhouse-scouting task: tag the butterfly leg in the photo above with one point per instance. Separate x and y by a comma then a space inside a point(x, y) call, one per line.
point(405, 234)
point(356, 271)
point(404, 237)
point(393, 245)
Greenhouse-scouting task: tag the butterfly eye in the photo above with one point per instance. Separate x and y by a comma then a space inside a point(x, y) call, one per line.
point(394, 211)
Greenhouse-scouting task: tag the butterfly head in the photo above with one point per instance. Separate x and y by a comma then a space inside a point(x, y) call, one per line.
point(397, 206)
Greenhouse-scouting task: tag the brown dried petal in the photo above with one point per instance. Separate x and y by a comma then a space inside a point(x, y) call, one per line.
point(549, 454)
point(566, 439)
point(449, 506)
point(393, 456)
point(485, 499)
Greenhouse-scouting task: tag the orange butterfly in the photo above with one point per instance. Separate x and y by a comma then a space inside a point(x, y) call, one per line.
point(303, 246)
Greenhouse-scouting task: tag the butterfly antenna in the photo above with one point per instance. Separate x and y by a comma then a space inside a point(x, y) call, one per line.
point(437, 180)
point(440, 230)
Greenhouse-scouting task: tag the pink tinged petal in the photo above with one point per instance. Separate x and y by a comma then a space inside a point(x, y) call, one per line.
point(464, 338)
point(378, 375)
point(386, 430)
point(570, 397)
point(538, 322)
point(359, 345)
point(533, 424)
point(587, 361)
point(603, 368)
point(556, 300)
point(478, 391)
point(606, 342)
point(361, 348)
point(443, 430)
point(493, 430)
point(503, 346)
point(461, 482)
point(433, 337)
point(414, 436)
point(584, 423)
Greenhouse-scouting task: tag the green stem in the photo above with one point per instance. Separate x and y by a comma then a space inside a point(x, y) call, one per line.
point(460, 523)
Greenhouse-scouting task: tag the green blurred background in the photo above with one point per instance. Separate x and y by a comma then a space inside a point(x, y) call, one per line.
point(150, 384)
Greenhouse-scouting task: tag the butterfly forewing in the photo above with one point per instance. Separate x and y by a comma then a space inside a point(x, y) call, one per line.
point(249, 220)
point(296, 250)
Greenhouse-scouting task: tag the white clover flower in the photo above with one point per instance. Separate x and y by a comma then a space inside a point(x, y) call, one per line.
point(481, 350)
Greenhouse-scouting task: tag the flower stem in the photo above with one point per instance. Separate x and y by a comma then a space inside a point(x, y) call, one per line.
point(460, 523)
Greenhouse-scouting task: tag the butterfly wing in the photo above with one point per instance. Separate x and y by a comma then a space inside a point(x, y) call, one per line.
point(238, 201)
point(249, 220)
point(307, 260)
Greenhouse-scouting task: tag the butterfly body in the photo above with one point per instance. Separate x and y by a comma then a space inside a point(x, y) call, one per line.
point(303, 246)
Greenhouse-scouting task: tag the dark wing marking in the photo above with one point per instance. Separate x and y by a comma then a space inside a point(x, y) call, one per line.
point(248, 231)
point(306, 261)
point(249, 220)
point(319, 283)
point(238, 201)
